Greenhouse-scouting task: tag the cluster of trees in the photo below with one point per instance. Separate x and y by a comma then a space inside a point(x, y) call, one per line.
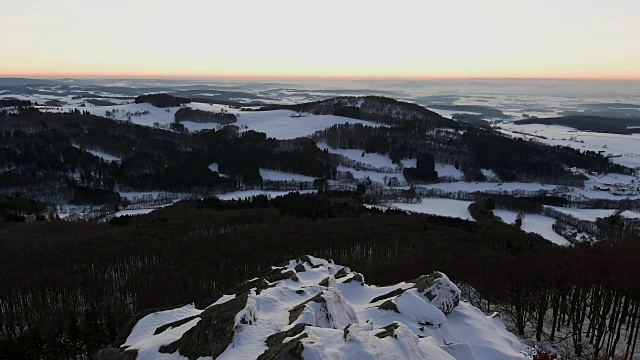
point(200, 116)
point(14, 103)
point(162, 100)
point(588, 295)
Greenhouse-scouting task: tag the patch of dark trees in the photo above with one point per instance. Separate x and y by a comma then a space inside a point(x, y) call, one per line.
point(84, 281)
point(588, 294)
point(14, 102)
point(589, 123)
point(161, 100)
point(200, 116)
point(424, 170)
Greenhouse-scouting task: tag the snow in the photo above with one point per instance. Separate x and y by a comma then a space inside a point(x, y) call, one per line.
point(489, 186)
point(412, 163)
point(436, 206)
point(237, 195)
point(373, 159)
point(279, 124)
point(345, 324)
point(626, 148)
point(283, 176)
point(448, 170)
point(507, 216)
point(534, 223)
point(100, 154)
point(585, 214)
point(146, 326)
point(133, 212)
point(594, 214)
point(214, 167)
point(104, 156)
point(542, 225)
point(490, 175)
point(372, 175)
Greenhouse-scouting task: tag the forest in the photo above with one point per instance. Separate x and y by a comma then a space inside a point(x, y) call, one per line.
point(68, 288)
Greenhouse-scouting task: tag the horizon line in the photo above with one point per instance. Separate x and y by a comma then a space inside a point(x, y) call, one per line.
point(141, 76)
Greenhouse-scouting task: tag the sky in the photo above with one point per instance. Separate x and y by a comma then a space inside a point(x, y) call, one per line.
point(335, 39)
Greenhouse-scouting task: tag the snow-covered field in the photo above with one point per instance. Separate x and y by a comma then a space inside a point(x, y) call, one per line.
point(237, 195)
point(442, 207)
point(283, 176)
point(489, 186)
point(449, 171)
point(373, 159)
point(593, 214)
point(347, 323)
point(538, 224)
point(372, 175)
point(100, 154)
point(625, 148)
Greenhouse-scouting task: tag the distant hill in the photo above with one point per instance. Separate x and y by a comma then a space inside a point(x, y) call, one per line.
point(25, 81)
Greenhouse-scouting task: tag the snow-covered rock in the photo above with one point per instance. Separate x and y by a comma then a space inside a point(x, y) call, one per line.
point(314, 309)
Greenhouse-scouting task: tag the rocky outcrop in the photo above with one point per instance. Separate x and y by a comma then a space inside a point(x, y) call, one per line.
point(310, 308)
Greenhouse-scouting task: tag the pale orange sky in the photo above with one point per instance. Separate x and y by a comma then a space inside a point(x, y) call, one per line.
point(330, 38)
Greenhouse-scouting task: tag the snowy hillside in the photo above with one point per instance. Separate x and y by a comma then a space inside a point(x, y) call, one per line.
point(314, 309)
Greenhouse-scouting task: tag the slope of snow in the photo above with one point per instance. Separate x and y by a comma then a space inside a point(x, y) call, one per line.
point(100, 154)
point(104, 156)
point(236, 195)
point(507, 216)
point(133, 212)
point(373, 159)
point(372, 175)
point(343, 321)
point(448, 170)
point(585, 214)
point(435, 206)
point(625, 148)
point(542, 225)
point(283, 176)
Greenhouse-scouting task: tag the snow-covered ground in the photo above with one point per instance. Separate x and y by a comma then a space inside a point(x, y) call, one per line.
point(625, 148)
point(283, 176)
point(373, 159)
point(100, 154)
point(133, 212)
point(449, 171)
point(346, 323)
point(593, 214)
point(489, 186)
point(538, 224)
point(379, 177)
point(104, 156)
point(435, 206)
point(237, 195)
